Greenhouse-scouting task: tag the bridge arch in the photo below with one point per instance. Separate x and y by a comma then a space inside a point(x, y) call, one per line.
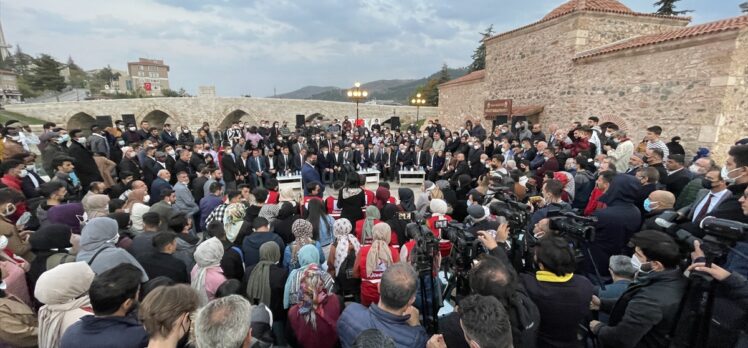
point(157, 118)
point(235, 115)
point(81, 120)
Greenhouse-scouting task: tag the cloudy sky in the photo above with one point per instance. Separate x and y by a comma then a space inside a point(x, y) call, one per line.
point(255, 46)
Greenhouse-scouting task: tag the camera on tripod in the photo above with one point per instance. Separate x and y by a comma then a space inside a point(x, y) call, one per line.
point(719, 234)
point(426, 249)
point(465, 245)
point(567, 224)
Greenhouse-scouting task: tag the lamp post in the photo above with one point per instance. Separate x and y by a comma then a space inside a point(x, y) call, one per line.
point(358, 95)
point(418, 101)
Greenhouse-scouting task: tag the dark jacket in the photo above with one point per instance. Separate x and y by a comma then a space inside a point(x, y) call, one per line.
point(677, 181)
point(114, 332)
point(645, 314)
point(563, 306)
point(616, 223)
point(351, 205)
point(161, 264)
point(278, 275)
point(157, 187)
point(253, 242)
point(84, 168)
point(142, 244)
point(232, 262)
point(357, 318)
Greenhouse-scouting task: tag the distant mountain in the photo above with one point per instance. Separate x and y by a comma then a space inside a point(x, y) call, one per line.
point(305, 92)
point(396, 90)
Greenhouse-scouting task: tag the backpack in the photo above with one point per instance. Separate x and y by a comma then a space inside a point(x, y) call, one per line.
point(58, 259)
point(347, 284)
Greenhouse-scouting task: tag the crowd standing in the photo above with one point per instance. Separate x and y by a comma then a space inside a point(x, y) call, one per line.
point(132, 236)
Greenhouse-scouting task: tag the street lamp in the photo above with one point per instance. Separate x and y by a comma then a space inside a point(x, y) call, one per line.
point(418, 101)
point(358, 95)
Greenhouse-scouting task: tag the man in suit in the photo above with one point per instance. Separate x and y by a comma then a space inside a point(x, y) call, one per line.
point(297, 147)
point(271, 163)
point(298, 160)
point(677, 175)
point(257, 168)
point(98, 142)
point(160, 184)
point(284, 161)
point(405, 157)
point(231, 172)
point(373, 156)
point(348, 155)
point(388, 164)
point(460, 168)
point(144, 132)
point(433, 165)
point(309, 173)
point(85, 168)
point(359, 157)
point(337, 158)
point(185, 201)
point(183, 164)
point(167, 136)
point(714, 192)
point(149, 163)
point(325, 163)
point(421, 157)
point(164, 207)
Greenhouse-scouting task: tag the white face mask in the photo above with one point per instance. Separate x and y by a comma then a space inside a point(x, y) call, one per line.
point(637, 264)
point(82, 140)
point(695, 169)
point(30, 167)
point(114, 239)
point(726, 175)
point(132, 154)
point(171, 152)
point(132, 129)
point(23, 173)
point(3, 242)
point(147, 198)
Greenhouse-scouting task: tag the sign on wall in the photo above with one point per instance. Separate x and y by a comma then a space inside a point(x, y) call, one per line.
point(498, 107)
point(147, 86)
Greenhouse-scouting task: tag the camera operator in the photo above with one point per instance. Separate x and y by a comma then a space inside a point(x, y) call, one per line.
point(736, 284)
point(552, 191)
point(647, 312)
point(479, 218)
point(494, 277)
point(615, 224)
point(735, 173)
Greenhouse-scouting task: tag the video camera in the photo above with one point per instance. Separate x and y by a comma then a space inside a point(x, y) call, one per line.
point(426, 249)
point(465, 245)
point(568, 224)
point(719, 234)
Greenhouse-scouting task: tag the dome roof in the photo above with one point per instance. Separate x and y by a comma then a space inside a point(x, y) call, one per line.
point(588, 5)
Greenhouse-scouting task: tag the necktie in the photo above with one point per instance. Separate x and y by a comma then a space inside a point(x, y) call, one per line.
point(704, 209)
point(258, 164)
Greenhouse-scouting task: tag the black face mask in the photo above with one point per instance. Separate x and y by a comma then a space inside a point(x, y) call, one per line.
point(706, 183)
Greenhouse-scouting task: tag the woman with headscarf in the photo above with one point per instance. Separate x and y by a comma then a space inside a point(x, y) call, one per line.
point(207, 274)
point(407, 203)
point(342, 257)
point(313, 319)
point(19, 322)
point(351, 200)
point(423, 198)
point(437, 222)
point(49, 244)
point(63, 291)
point(302, 231)
point(364, 227)
point(136, 206)
point(383, 197)
point(308, 259)
point(269, 212)
point(321, 224)
point(391, 215)
point(372, 261)
point(287, 215)
point(96, 205)
point(234, 225)
point(69, 214)
point(265, 281)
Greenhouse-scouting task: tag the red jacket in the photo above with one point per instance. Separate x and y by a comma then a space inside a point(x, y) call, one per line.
point(593, 205)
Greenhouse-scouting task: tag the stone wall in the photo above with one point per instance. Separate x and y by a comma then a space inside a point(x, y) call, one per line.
point(595, 29)
point(217, 111)
point(732, 121)
point(460, 102)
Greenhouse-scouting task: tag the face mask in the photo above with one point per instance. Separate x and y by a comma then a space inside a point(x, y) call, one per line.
point(132, 129)
point(185, 131)
point(30, 167)
point(121, 142)
point(705, 183)
point(64, 138)
point(648, 205)
point(23, 173)
point(608, 134)
point(641, 268)
point(147, 198)
point(545, 158)
point(694, 169)
point(476, 146)
point(3, 242)
point(132, 154)
point(82, 140)
point(597, 164)
point(171, 152)
point(726, 175)
point(10, 209)
point(570, 166)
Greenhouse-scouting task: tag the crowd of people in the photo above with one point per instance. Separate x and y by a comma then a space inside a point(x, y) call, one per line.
point(135, 236)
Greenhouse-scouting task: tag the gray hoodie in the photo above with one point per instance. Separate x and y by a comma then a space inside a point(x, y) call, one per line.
point(101, 233)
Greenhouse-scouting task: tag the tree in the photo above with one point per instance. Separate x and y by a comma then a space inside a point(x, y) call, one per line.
point(667, 8)
point(479, 55)
point(20, 61)
point(46, 74)
point(169, 93)
point(78, 77)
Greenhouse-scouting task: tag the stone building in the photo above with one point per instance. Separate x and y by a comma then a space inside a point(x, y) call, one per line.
point(9, 92)
point(152, 75)
point(600, 58)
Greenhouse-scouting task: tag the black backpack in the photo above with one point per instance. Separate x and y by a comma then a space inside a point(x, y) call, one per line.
point(348, 286)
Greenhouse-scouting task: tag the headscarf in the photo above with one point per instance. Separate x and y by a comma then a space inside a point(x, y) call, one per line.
point(233, 220)
point(406, 199)
point(269, 212)
point(383, 196)
point(308, 255)
point(258, 286)
point(380, 249)
point(60, 290)
point(311, 295)
point(96, 205)
point(442, 184)
point(135, 196)
point(207, 255)
point(438, 206)
point(302, 230)
point(372, 213)
point(288, 195)
point(342, 230)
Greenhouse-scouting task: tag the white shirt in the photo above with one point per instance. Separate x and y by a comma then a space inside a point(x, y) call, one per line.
point(716, 197)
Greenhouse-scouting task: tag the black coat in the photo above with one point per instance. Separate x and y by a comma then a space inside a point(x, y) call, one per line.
point(161, 264)
point(230, 168)
point(85, 168)
point(645, 314)
point(676, 181)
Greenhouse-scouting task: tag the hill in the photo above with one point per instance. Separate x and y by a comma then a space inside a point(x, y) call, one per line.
point(396, 90)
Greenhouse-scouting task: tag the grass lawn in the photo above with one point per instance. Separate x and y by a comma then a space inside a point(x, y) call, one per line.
point(6, 115)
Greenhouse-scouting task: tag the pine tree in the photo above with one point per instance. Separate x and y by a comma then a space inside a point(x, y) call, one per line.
point(46, 75)
point(667, 8)
point(78, 77)
point(479, 55)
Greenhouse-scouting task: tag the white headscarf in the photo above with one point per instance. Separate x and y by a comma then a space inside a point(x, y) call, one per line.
point(342, 230)
point(60, 290)
point(207, 255)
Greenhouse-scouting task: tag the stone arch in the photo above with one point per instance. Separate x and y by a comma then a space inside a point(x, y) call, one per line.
point(234, 116)
point(81, 120)
point(157, 118)
point(618, 121)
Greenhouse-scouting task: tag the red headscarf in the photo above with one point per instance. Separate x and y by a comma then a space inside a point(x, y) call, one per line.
point(382, 197)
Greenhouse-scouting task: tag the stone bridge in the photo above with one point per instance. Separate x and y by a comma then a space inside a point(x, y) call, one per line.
point(218, 111)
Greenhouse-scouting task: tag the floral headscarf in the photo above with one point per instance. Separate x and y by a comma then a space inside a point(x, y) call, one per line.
point(302, 231)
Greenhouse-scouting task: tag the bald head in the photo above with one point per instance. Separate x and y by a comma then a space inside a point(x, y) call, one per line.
point(663, 199)
point(138, 184)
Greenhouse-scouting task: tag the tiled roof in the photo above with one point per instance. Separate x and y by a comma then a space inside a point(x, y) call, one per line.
point(734, 23)
point(589, 5)
point(475, 75)
point(607, 6)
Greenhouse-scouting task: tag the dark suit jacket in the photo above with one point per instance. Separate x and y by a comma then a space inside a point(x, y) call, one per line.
point(182, 166)
point(252, 165)
point(677, 181)
point(296, 162)
point(157, 187)
point(284, 164)
point(699, 197)
point(169, 138)
point(160, 264)
point(229, 167)
point(460, 168)
point(421, 159)
point(325, 162)
point(407, 158)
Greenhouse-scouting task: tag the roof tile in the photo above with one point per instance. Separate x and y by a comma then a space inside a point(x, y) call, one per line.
point(475, 75)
